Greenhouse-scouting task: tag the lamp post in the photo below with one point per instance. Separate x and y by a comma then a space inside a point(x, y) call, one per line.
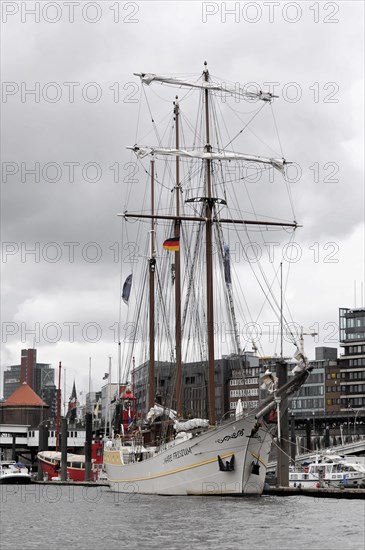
point(356, 415)
point(292, 437)
point(348, 420)
point(348, 416)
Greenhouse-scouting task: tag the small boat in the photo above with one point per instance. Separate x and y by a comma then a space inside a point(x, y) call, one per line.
point(12, 472)
point(328, 471)
point(51, 464)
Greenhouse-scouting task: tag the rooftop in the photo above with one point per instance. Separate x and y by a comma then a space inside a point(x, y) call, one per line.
point(24, 396)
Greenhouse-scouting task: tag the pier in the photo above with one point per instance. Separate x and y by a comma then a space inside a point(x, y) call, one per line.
point(322, 492)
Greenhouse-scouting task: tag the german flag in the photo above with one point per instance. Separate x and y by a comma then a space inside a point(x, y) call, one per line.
point(172, 244)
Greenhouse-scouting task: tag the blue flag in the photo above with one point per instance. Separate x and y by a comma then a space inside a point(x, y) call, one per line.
point(227, 265)
point(127, 289)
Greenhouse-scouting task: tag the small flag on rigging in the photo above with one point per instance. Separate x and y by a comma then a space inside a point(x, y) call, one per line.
point(227, 265)
point(127, 289)
point(72, 404)
point(172, 244)
point(96, 408)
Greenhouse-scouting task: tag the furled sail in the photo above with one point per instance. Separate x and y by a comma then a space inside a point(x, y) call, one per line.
point(190, 424)
point(301, 358)
point(237, 90)
point(142, 152)
point(268, 381)
point(239, 410)
point(159, 410)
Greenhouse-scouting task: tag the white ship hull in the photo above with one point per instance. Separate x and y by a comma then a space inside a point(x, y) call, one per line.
point(191, 467)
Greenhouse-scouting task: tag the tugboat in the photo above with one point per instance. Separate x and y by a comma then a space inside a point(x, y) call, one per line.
point(51, 464)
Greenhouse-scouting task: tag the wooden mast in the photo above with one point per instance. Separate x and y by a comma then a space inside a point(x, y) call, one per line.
point(152, 266)
point(241, 221)
point(209, 261)
point(58, 406)
point(177, 272)
point(208, 217)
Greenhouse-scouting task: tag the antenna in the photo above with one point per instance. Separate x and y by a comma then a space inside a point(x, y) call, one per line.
point(355, 291)
point(281, 311)
point(89, 384)
point(109, 392)
point(64, 391)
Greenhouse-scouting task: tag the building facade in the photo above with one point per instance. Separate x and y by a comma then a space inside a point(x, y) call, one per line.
point(38, 376)
point(194, 386)
point(334, 389)
point(244, 381)
point(11, 380)
point(352, 361)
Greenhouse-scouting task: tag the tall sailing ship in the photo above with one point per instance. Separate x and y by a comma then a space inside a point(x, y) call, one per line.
point(162, 453)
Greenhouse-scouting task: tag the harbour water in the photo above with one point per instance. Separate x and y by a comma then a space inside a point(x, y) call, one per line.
point(80, 518)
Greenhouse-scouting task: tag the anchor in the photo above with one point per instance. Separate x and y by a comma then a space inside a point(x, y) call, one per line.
point(255, 468)
point(228, 466)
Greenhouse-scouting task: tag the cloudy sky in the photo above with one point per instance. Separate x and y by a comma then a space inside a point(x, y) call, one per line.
point(69, 108)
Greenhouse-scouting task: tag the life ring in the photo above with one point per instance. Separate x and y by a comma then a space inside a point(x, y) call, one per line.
point(117, 436)
point(306, 470)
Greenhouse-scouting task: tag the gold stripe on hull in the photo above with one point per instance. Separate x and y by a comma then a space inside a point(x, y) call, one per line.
point(171, 472)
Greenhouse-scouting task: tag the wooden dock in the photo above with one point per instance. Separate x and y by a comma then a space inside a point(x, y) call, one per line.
point(73, 483)
point(322, 492)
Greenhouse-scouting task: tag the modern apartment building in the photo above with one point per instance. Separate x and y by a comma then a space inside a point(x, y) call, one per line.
point(244, 382)
point(352, 362)
point(194, 386)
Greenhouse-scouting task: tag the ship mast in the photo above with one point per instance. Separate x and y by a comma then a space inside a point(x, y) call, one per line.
point(58, 405)
point(208, 217)
point(209, 260)
point(177, 272)
point(152, 266)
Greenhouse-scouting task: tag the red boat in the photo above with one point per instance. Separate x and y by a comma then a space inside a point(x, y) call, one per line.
point(50, 462)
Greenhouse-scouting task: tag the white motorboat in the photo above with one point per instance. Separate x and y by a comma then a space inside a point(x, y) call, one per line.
point(12, 472)
point(328, 471)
